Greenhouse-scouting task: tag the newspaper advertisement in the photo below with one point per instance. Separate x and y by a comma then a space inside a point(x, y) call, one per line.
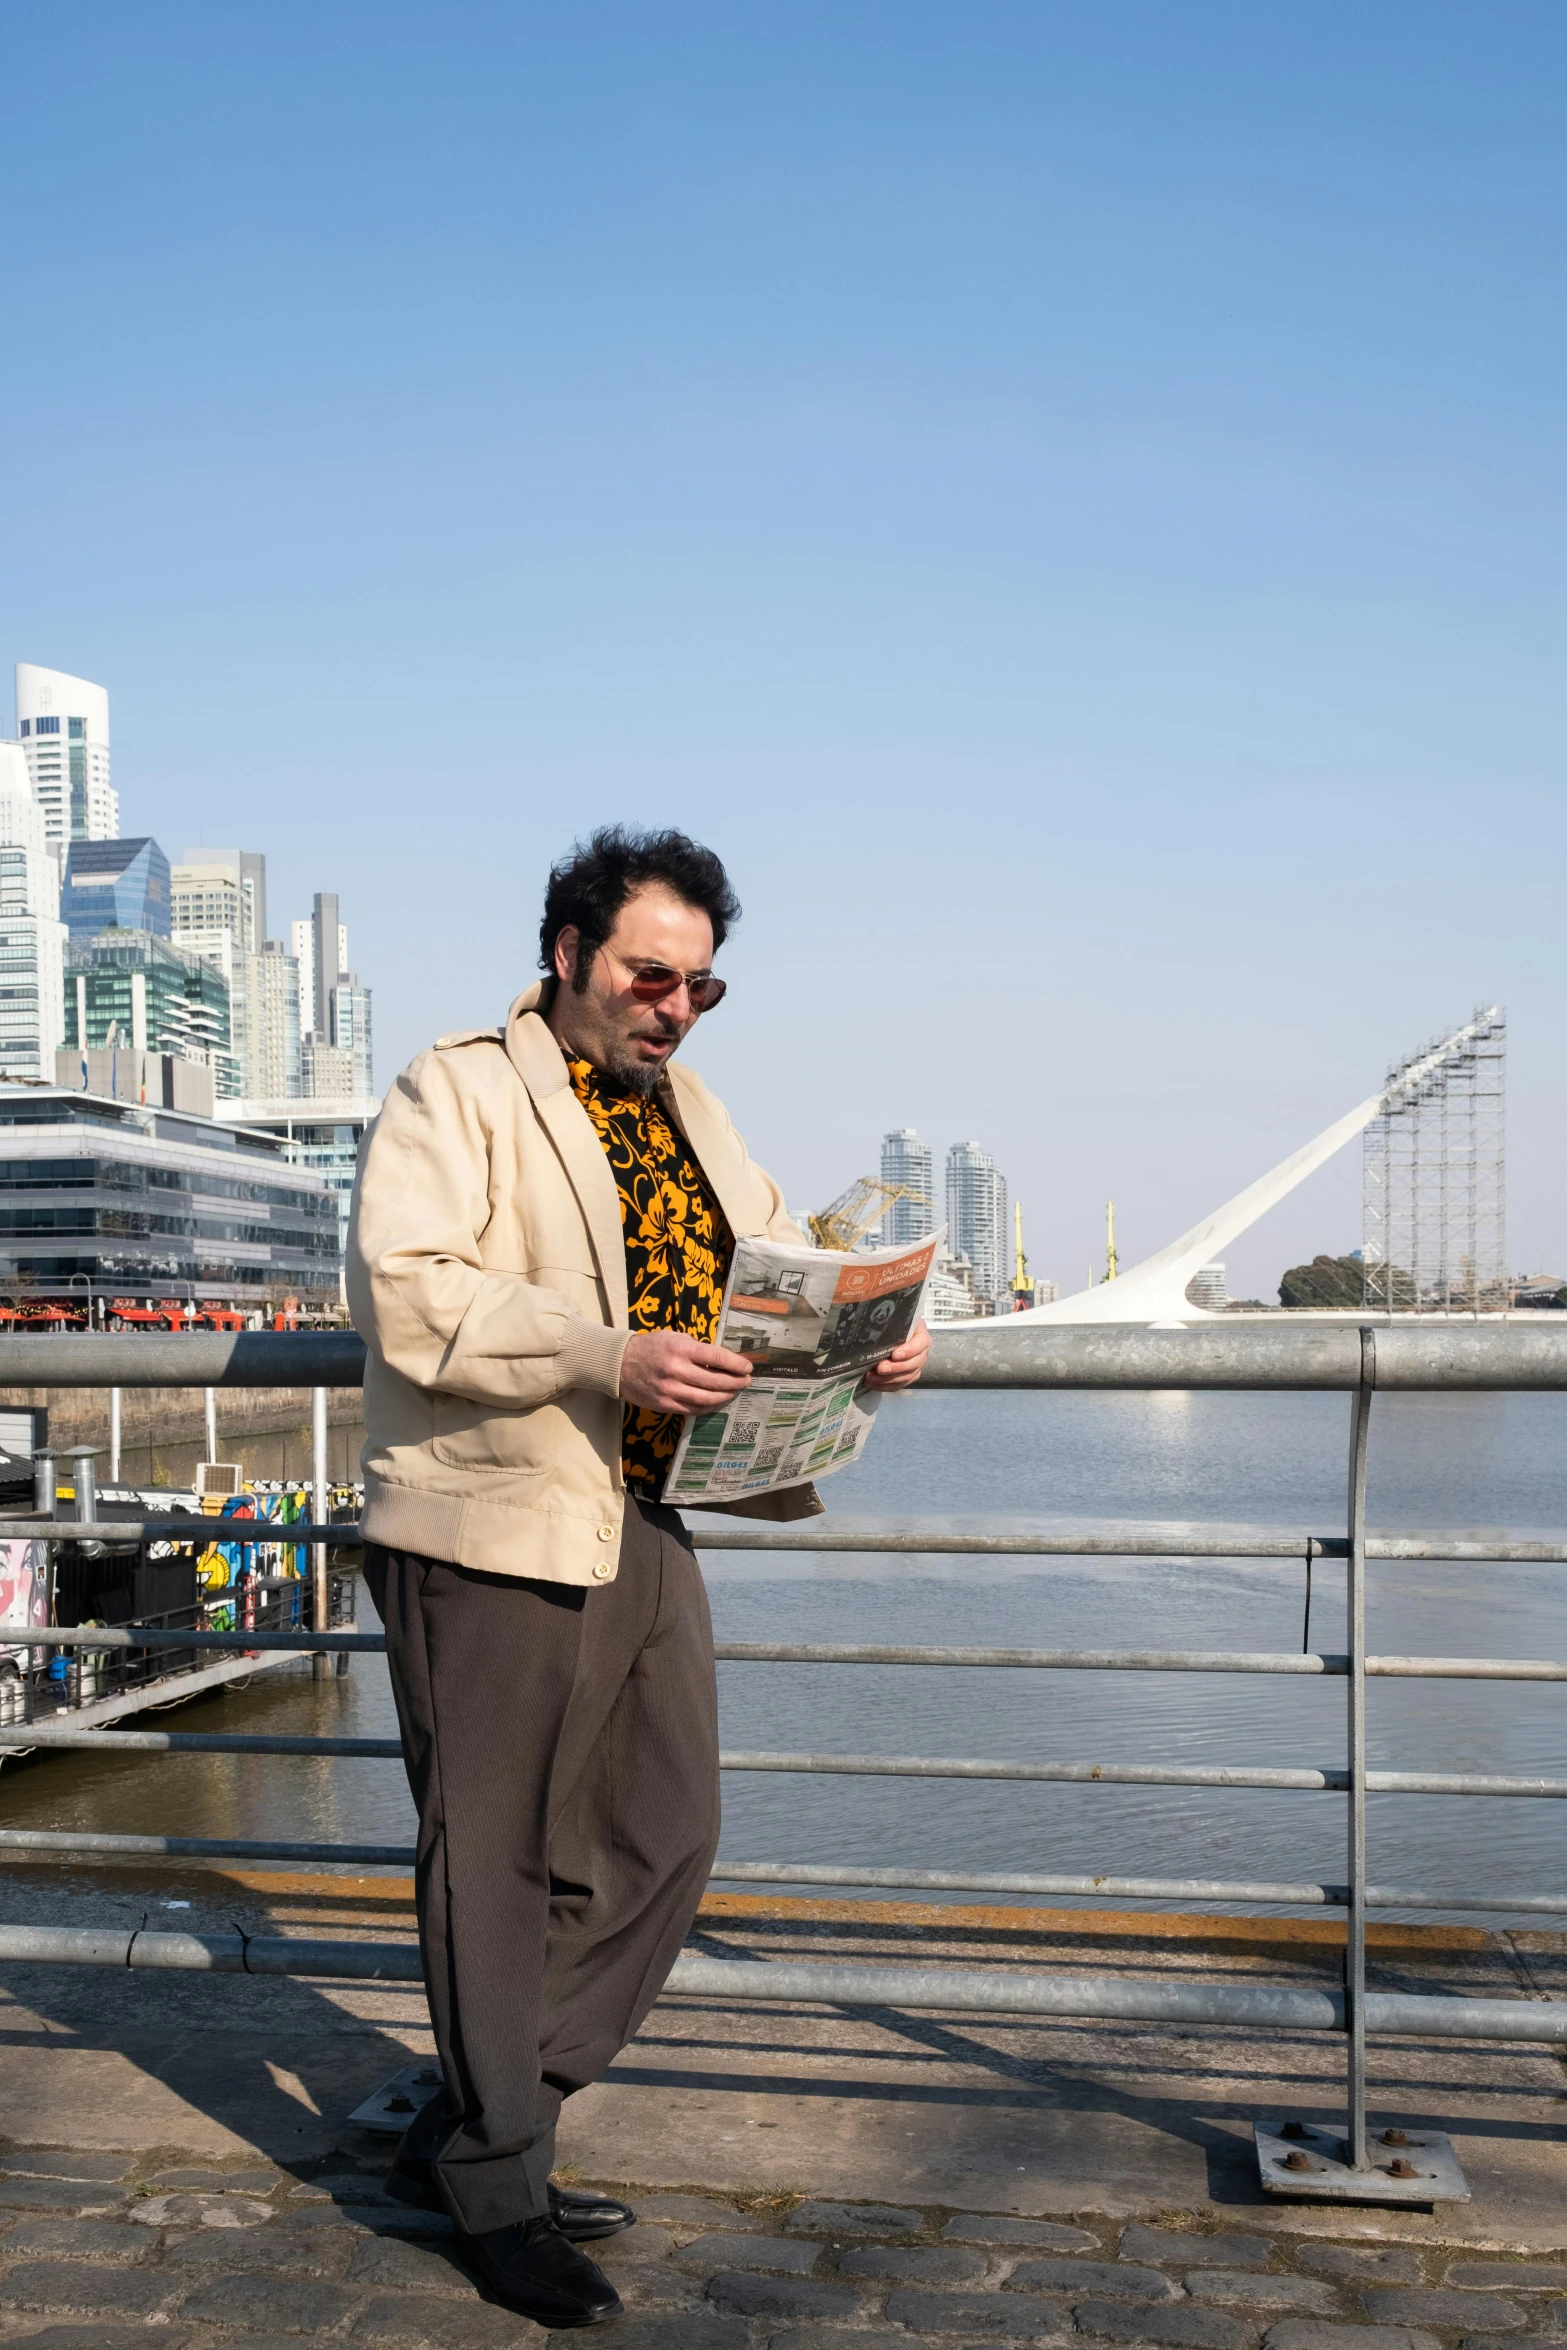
point(812, 1321)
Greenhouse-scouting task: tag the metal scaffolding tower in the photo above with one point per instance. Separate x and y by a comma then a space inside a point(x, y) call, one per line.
point(1434, 1177)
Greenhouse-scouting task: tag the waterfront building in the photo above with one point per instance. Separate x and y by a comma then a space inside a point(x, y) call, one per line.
point(32, 936)
point(116, 885)
point(907, 1160)
point(322, 1135)
point(64, 727)
point(1208, 1288)
point(129, 987)
point(977, 1219)
point(127, 1074)
point(102, 1198)
point(950, 1296)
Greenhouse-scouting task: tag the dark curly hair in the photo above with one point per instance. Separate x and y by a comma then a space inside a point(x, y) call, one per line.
point(589, 887)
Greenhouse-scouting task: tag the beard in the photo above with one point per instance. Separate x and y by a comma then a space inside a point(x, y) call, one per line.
point(637, 1077)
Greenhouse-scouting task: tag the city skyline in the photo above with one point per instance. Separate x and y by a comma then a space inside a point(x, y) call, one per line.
point(106, 944)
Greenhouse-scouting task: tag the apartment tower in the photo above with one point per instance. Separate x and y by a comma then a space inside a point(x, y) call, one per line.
point(64, 727)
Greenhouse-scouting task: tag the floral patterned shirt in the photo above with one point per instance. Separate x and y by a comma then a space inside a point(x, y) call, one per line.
point(678, 1247)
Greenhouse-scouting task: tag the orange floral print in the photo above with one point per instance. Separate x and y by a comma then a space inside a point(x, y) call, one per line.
point(678, 1248)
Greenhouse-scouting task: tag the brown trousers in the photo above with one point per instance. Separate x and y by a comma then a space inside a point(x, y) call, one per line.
point(562, 1748)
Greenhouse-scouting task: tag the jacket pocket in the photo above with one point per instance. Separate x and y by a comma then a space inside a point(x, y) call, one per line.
point(518, 1444)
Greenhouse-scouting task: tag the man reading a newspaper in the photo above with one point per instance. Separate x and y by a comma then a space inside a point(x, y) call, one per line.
point(542, 1229)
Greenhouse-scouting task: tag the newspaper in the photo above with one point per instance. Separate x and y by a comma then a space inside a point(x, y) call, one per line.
point(812, 1321)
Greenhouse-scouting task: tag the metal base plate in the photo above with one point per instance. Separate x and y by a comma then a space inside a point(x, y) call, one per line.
point(395, 2103)
point(1438, 2176)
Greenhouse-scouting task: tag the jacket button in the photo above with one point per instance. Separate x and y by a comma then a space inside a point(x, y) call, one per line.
point(606, 1533)
point(602, 1570)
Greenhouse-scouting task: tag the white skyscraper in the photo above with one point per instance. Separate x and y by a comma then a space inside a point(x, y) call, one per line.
point(977, 1216)
point(32, 936)
point(907, 1160)
point(64, 726)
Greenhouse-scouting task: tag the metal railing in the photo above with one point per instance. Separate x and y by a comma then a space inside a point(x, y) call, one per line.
point(1357, 1360)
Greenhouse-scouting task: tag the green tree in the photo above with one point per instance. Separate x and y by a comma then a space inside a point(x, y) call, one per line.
point(1326, 1281)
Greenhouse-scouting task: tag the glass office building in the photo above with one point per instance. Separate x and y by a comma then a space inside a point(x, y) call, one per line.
point(102, 1198)
point(116, 885)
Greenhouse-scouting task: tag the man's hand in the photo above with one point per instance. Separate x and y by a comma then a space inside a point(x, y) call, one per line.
point(903, 1366)
point(665, 1371)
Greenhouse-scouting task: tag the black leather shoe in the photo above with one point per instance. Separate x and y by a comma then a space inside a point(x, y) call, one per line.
point(583, 2218)
point(534, 2270)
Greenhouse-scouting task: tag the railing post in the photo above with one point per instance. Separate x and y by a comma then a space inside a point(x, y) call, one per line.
point(320, 1603)
point(1355, 1598)
point(210, 1399)
point(114, 1435)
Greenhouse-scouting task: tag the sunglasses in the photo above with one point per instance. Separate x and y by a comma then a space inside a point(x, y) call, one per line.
point(652, 982)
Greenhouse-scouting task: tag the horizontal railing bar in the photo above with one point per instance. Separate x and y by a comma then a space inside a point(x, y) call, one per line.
point(1301, 1780)
point(191, 1529)
point(955, 1990)
point(246, 1637)
point(944, 1536)
point(40, 1735)
point(1154, 1660)
point(941, 1537)
point(938, 1537)
point(1417, 1354)
point(1412, 1355)
point(1312, 1896)
point(103, 1845)
point(761, 1652)
point(92, 1844)
point(195, 1358)
point(1091, 1660)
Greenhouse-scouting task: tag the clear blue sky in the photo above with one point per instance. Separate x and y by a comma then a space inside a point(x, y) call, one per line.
point(1069, 500)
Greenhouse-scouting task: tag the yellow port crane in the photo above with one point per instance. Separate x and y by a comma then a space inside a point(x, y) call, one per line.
point(855, 1212)
point(1022, 1279)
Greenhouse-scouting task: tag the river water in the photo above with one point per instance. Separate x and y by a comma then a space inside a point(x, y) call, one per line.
point(1477, 1464)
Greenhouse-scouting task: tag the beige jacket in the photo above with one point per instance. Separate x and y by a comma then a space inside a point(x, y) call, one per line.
point(487, 1277)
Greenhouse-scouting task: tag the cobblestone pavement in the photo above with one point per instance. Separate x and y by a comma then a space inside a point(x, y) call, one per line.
point(121, 2252)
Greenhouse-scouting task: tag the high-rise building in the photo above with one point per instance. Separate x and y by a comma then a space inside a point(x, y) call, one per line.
point(223, 887)
point(216, 948)
point(115, 885)
point(32, 936)
point(64, 725)
point(218, 900)
point(129, 987)
point(350, 1031)
point(274, 1024)
point(306, 939)
point(977, 1217)
point(334, 1010)
point(907, 1160)
point(326, 1071)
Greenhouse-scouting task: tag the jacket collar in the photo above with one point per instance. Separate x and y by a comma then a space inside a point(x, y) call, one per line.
point(539, 1062)
point(536, 1056)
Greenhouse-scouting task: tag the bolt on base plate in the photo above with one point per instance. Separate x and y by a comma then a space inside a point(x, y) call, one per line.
point(392, 2107)
point(1413, 2168)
